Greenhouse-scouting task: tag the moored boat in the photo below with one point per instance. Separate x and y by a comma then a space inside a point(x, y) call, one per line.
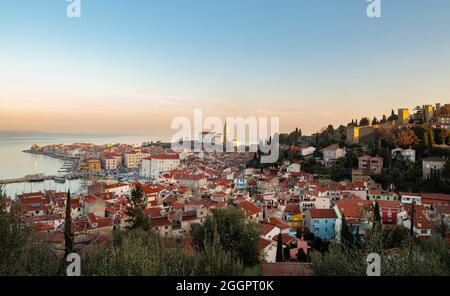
point(59, 179)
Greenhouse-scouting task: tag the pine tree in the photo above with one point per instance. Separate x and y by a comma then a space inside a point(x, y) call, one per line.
point(279, 257)
point(135, 211)
point(68, 235)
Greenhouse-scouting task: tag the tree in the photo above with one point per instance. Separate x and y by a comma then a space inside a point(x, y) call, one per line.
point(68, 235)
point(364, 121)
point(347, 237)
point(279, 257)
point(236, 235)
point(395, 237)
point(377, 217)
point(446, 170)
point(375, 121)
point(440, 136)
point(135, 211)
point(393, 116)
point(383, 119)
point(405, 138)
point(412, 258)
point(301, 256)
point(309, 236)
point(21, 253)
point(287, 253)
point(330, 129)
point(145, 253)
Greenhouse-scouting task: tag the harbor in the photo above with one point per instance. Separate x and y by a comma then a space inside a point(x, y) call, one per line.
point(40, 178)
point(66, 172)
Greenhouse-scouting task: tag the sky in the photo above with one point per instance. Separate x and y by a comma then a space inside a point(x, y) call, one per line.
point(132, 66)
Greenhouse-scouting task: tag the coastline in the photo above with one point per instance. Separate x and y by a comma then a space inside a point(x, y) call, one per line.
point(53, 155)
point(41, 177)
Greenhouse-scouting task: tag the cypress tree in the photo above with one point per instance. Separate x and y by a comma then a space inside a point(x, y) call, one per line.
point(279, 257)
point(301, 256)
point(347, 237)
point(376, 213)
point(68, 235)
point(287, 253)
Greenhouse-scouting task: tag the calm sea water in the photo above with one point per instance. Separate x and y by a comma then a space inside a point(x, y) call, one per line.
point(15, 164)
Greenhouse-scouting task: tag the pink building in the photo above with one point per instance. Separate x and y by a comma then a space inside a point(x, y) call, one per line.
point(372, 164)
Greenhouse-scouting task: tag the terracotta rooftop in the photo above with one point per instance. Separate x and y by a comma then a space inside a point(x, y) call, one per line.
point(286, 269)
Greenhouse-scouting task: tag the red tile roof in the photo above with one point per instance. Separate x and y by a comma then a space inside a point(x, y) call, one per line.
point(249, 207)
point(285, 238)
point(286, 269)
point(263, 243)
point(322, 213)
point(266, 228)
point(160, 222)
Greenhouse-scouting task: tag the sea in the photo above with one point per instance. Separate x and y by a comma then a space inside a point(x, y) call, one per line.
point(14, 163)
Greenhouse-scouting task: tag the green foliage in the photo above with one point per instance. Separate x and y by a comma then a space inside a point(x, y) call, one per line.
point(287, 253)
point(290, 139)
point(347, 238)
point(68, 235)
point(19, 254)
point(338, 262)
point(395, 237)
point(136, 216)
point(320, 245)
point(440, 136)
point(364, 121)
point(145, 253)
point(376, 214)
point(340, 171)
point(301, 256)
point(410, 258)
point(236, 235)
point(279, 257)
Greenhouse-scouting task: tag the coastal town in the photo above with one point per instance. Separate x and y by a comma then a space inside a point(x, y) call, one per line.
point(395, 170)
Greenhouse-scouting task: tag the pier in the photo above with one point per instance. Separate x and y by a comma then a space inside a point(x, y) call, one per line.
point(30, 179)
point(23, 180)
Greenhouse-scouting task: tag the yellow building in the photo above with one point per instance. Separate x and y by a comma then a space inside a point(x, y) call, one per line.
point(94, 165)
point(429, 112)
point(296, 221)
point(361, 134)
point(403, 115)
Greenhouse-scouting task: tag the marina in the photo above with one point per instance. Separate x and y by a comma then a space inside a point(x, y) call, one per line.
point(40, 178)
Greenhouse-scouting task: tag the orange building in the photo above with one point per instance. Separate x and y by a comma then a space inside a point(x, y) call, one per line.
point(94, 164)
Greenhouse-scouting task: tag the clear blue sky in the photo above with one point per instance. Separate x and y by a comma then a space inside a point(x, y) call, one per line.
point(312, 62)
